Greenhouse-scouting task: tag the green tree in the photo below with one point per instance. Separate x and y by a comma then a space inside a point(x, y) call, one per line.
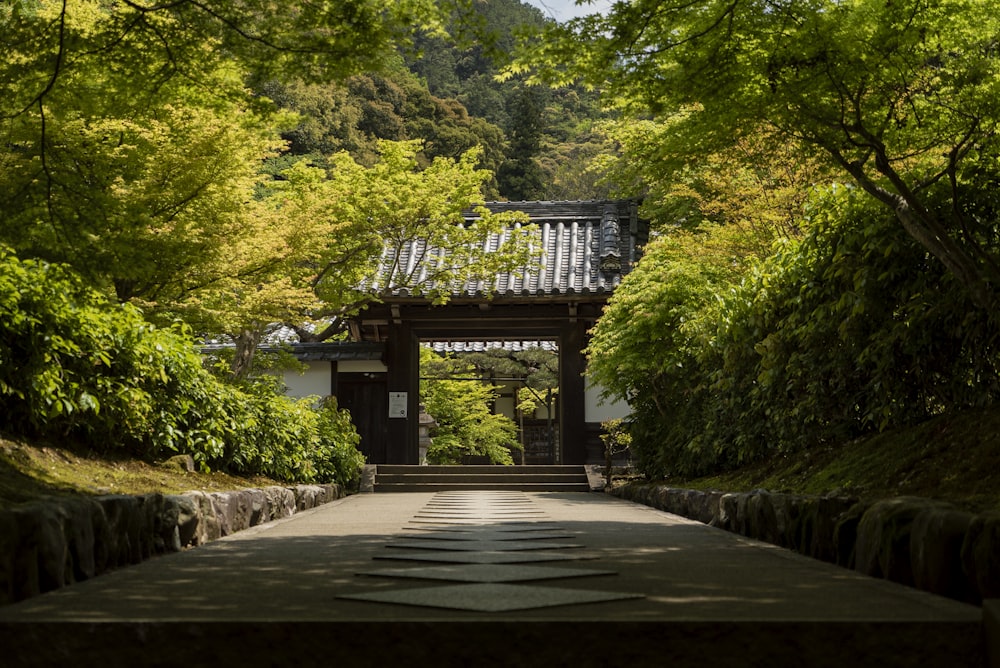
point(463, 411)
point(760, 183)
point(646, 329)
point(520, 176)
point(133, 144)
point(726, 359)
point(142, 204)
point(159, 207)
point(649, 346)
point(133, 150)
point(57, 46)
point(533, 372)
point(900, 97)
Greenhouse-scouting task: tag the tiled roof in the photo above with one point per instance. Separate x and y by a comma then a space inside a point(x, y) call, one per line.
point(587, 246)
point(481, 346)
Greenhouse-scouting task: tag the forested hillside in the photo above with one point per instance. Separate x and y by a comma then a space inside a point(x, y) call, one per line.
point(443, 90)
point(551, 133)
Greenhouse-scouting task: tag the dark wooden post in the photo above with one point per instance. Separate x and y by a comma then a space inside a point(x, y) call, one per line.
point(572, 407)
point(403, 358)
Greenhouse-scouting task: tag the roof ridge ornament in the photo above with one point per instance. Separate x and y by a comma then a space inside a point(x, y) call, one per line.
point(610, 258)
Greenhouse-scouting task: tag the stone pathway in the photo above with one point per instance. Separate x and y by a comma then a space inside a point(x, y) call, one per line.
point(488, 579)
point(488, 538)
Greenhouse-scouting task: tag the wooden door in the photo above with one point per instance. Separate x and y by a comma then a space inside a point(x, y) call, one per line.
point(368, 401)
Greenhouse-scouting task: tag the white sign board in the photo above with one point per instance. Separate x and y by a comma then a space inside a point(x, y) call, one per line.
point(397, 404)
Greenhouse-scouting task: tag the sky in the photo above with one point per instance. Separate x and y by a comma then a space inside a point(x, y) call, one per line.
point(562, 10)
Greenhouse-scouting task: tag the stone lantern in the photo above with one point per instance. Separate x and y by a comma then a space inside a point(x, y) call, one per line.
point(424, 425)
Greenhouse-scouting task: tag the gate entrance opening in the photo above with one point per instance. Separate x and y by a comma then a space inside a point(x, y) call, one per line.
point(523, 395)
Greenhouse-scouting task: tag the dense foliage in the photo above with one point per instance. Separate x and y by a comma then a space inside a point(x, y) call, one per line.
point(355, 115)
point(833, 336)
point(76, 366)
point(147, 161)
point(845, 154)
point(759, 182)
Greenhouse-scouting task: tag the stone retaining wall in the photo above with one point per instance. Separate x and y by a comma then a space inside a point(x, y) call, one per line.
point(50, 543)
point(925, 544)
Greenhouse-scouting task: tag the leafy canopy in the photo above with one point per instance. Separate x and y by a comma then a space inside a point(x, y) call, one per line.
point(848, 330)
point(134, 153)
point(133, 145)
point(56, 45)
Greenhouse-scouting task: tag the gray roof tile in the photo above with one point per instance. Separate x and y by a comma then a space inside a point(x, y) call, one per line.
point(587, 246)
point(481, 346)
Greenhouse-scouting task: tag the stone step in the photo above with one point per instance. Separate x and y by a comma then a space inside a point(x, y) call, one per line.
point(536, 469)
point(397, 478)
point(512, 486)
point(479, 477)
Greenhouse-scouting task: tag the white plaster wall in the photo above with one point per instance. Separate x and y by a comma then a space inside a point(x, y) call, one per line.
point(598, 412)
point(315, 381)
point(504, 404)
point(542, 412)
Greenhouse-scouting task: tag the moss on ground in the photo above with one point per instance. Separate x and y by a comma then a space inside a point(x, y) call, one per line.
point(29, 471)
point(954, 458)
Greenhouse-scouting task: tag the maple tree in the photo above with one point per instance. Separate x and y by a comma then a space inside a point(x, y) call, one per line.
point(898, 97)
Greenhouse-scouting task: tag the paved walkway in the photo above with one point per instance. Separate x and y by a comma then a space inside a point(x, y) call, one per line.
point(488, 578)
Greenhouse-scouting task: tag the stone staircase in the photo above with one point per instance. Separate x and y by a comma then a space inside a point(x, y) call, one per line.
point(397, 478)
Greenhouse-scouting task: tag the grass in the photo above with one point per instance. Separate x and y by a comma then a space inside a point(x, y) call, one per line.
point(953, 458)
point(29, 471)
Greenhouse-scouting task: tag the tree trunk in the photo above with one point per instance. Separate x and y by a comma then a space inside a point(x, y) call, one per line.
point(960, 263)
point(246, 347)
point(928, 231)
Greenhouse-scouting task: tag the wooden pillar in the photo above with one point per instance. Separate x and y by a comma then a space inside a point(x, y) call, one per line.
point(572, 407)
point(403, 360)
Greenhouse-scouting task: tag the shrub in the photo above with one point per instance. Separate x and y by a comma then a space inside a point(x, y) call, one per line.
point(74, 365)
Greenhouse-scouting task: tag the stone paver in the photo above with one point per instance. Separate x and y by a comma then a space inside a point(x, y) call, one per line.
point(488, 594)
point(675, 592)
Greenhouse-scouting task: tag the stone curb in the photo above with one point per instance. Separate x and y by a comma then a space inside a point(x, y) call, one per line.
point(925, 544)
point(54, 542)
